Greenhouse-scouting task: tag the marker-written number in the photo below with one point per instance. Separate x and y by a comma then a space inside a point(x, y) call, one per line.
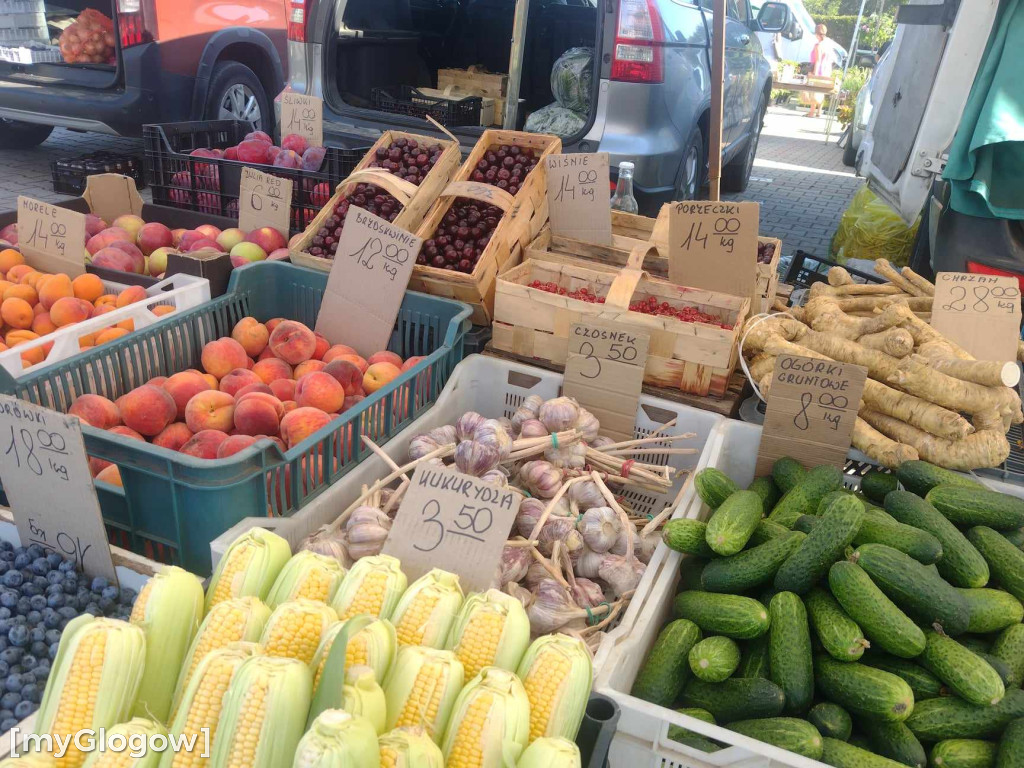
point(40, 237)
point(832, 405)
point(978, 300)
point(70, 546)
point(470, 522)
point(394, 255)
point(23, 445)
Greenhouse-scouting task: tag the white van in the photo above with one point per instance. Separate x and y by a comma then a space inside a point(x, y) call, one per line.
point(796, 42)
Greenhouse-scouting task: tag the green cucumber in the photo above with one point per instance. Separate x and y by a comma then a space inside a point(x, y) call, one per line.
point(961, 564)
point(714, 659)
point(1004, 670)
point(822, 547)
point(840, 635)
point(765, 488)
point(806, 523)
point(766, 531)
point(730, 615)
point(895, 741)
point(752, 567)
point(665, 670)
point(864, 690)
point(1009, 647)
point(1015, 537)
point(690, 571)
point(738, 698)
point(698, 714)
point(923, 683)
point(831, 496)
point(924, 596)
point(842, 755)
point(691, 738)
point(789, 651)
point(920, 545)
point(964, 753)
point(732, 524)
point(687, 535)
point(754, 661)
point(1011, 746)
point(787, 733)
point(876, 484)
point(804, 498)
point(967, 674)
point(714, 486)
point(884, 624)
point(975, 643)
point(786, 473)
point(919, 477)
point(831, 720)
point(992, 610)
point(967, 507)
point(950, 717)
point(1004, 560)
point(880, 514)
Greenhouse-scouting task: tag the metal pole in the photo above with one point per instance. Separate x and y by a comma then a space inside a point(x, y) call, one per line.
point(717, 87)
point(515, 64)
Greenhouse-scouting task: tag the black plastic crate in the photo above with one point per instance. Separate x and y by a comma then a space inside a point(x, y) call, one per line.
point(211, 185)
point(808, 269)
point(411, 102)
point(69, 173)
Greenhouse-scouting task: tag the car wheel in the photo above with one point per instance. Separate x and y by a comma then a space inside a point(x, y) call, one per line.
point(237, 94)
point(849, 153)
point(691, 169)
point(15, 134)
point(736, 173)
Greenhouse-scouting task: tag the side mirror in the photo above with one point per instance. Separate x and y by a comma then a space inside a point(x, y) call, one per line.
point(773, 17)
point(795, 31)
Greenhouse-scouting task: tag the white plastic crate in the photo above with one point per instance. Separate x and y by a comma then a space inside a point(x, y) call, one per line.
point(30, 54)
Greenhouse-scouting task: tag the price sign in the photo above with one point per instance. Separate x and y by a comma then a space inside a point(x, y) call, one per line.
point(981, 313)
point(604, 371)
point(812, 407)
point(368, 278)
point(453, 521)
point(45, 474)
point(264, 201)
point(53, 238)
point(578, 197)
point(713, 245)
point(303, 115)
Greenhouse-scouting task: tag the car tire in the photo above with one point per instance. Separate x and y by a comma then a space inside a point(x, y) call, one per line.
point(849, 153)
point(736, 173)
point(15, 134)
point(237, 94)
point(692, 168)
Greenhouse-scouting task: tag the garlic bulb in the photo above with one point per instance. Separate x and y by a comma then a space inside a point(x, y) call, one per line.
point(475, 457)
point(561, 529)
point(465, 427)
point(491, 432)
point(530, 511)
point(443, 435)
point(533, 428)
point(366, 530)
point(421, 445)
point(559, 414)
point(540, 478)
point(524, 413)
point(535, 574)
point(495, 477)
point(506, 424)
point(553, 608)
point(619, 547)
point(587, 495)
point(648, 543)
point(620, 574)
point(587, 424)
point(587, 593)
point(600, 528)
point(572, 456)
point(328, 544)
point(520, 593)
point(588, 563)
point(601, 441)
point(514, 562)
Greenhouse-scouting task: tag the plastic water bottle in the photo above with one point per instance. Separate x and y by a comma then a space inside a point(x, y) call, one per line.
point(623, 199)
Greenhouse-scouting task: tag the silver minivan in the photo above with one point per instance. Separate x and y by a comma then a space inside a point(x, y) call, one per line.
point(650, 82)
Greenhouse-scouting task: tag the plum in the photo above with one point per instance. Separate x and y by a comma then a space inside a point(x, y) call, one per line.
point(250, 151)
point(288, 159)
point(295, 143)
point(313, 158)
point(259, 136)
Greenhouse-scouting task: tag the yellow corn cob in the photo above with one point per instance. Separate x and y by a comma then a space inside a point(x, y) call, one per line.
point(264, 714)
point(492, 630)
point(169, 609)
point(363, 697)
point(428, 609)
point(422, 688)
point(202, 703)
point(249, 567)
point(338, 739)
point(140, 729)
point(306, 575)
point(295, 629)
point(94, 680)
point(557, 673)
point(490, 722)
point(548, 752)
point(409, 747)
point(372, 586)
point(233, 621)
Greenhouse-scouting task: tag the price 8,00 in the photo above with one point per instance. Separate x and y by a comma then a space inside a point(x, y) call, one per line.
point(470, 522)
point(831, 405)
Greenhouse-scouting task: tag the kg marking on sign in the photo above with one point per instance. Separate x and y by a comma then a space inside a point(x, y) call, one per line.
point(578, 202)
point(981, 313)
point(713, 245)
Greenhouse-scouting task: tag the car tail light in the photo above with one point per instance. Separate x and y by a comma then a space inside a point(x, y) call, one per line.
point(131, 23)
point(983, 269)
point(300, 13)
point(639, 40)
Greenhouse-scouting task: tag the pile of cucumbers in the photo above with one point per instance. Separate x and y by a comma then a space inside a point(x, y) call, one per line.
point(872, 629)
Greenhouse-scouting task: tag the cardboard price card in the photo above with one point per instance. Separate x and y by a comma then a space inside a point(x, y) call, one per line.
point(812, 408)
point(51, 236)
point(303, 115)
point(368, 278)
point(713, 245)
point(452, 521)
point(981, 313)
point(45, 474)
point(578, 201)
point(264, 201)
point(604, 371)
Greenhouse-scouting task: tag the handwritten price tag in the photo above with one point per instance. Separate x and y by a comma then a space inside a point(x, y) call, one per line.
point(264, 201)
point(812, 407)
point(368, 279)
point(604, 371)
point(578, 200)
point(713, 245)
point(453, 521)
point(303, 115)
point(981, 313)
point(53, 238)
point(45, 474)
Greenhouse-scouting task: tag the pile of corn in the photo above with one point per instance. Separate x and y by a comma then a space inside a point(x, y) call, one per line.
point(291, 661)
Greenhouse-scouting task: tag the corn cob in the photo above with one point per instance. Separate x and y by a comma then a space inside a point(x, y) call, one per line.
point(306, 575)
point(557, 674)
point(492, 630)
point(363, 697)
point(94, 680)
point(169, 609)
point(202, 702)
point(249, 567)
point(422, 688)
point(137, 727)
point(548, 752)
point(295, 629)
point(490, 722)
point(233, 621)
point(360, 641)
point(428, 609)
point(338, 739)
point(372, 586)
point(409, 747)
point(264, 714)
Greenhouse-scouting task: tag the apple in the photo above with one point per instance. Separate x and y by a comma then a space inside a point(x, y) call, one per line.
point(203, 243)
point(267, 238)
point(176, 236)
point(130, 223)
point(281, 254)
point(158, 261)
point(189, 237)
point(94, 224)
point(229, 238)
point(107, 237)
point(248, 252)
point(209, 231)
point(152, 236)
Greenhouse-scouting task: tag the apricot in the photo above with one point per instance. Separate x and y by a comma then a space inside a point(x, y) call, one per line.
point(68, 310)
point(110, 474)
point(102, 309)
point(300, 423)
point(105, 299)
point(183, 386)
point(131, 295)
point(128, 325)
point(319, 390)
point(87, 340)
point(309, 366)
point(10, 258)
point(17, 313)
point(378, 375)
point(173, 436)
point(204, 444)
point(16, 337)
point(238, 378)
point(88, 287)
point(222, 356)
point(109, 334)
point(210, 410)
point(15, 273)
point(162, 309)
point(271, 369)
point(148, 409)
point(24, 292)
point(38, 309)
point(96, 410)
point(258, 414)
point(293, 342)
point(252, 335)
point(55, 287)
point(42, 324)
point(30, 278)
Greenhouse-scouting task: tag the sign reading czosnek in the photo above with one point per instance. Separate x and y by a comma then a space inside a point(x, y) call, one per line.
point(981, 313)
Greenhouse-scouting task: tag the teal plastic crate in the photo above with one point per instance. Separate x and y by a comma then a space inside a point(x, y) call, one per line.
point(172, 505)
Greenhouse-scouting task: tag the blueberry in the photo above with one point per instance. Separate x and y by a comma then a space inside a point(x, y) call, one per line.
point(5, 669)
point(40, 582)
point(40, 567)
point(39, 648)
point(53, 560)
point(127, 596)
point(99, 584)
point(22, 561)
point(12, 683)
point(36, 634)
point(7, 724)
point(18, 636)
point(28, 677)
point(25, 708)
point(29, 590)
point(5, 713)
point(23, 607)
point(105, 604)
point(11, 656)
point(111, 593)
point(9, 599)
point(53, 602)
point(36, 551)
point(52, 636)
point(12, 579)
point(43, 670)
point(19, 619)
point(94, 609)
point(10, 700)
point(53, 651)
point(70, 588)
point(65, 566)
point(6, 546)
point(38, 602)
point(34, 617)
point(67, 612)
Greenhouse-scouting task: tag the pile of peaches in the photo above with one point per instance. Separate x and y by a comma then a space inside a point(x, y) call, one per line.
point(276, 380)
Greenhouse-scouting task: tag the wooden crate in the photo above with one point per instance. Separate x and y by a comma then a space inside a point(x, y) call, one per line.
point(474, 81)
point(692, 357)
point(522, 222)
point(416, 201)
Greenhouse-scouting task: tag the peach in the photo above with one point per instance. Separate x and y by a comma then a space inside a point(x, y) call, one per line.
point(157, 381)
point(131, 295)
point(412, 362)
point(260, 387)
point(308, 366)
point(351, 401)
point(267, 354)
point(137, 257)
point(10, 258)
point(42, 324)
point(87, 286)
point(234, 444)
point(173, 436)
point(319, 390)
point(106, 237)
point(385, 357)
point(299, 424)
point(114, 258)
point(358, 361)
point(273, 322)
point(293, 342)
point(125, 431)
point(258, 414)
point(183, 386)
point(148, 409)
point(110, 474)
point(211, 380)
point(222, 356)
point(109, 334)
point(322, 345)
point(267, 238)
point(238, 378)
point(204, 444)
point(152, 236)
point(210, 410)
point(337, 351)
point(57, 287)
point(347, 374)
point(378, 375)
point(17, 313)
point(289, 405)
point(272, 368)
point(96, 411)
point(69, 310)
point(251, 334)
point(283, 389)
point(129, 223)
